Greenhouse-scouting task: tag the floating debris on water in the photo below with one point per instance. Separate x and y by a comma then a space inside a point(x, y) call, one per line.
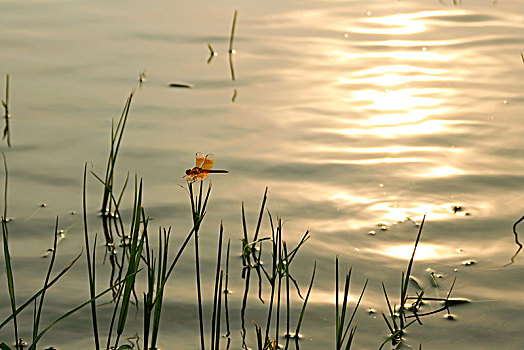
point(460, 250)
point(469, 262)
point(382, 226)
point(456, 209)
point(449, 317)
point(142, 77)
point(371, 311)
point(456, 301)
point(181, 85)
point(43, 205)
point(228, 291)
point(371, 233)
point(72, 212)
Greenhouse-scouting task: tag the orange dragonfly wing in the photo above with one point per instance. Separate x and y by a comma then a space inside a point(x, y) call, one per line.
point(208, 162)
point(199, 159)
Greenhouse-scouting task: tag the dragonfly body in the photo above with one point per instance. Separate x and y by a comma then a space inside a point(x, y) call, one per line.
point(202, 168)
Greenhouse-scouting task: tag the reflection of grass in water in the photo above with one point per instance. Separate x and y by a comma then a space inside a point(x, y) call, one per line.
point(5, 104)
point(137, 254)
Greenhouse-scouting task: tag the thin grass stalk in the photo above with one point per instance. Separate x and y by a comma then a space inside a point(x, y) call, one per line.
point(218, 292)
point(10, 278)
point(134, 260)
point(116, 136)
point(344, 307)
point(90, 263)
point(272, 278)
point(404, 288)
point(281, 266)
point(51, 263)
point(7, 257)
point(196, 213)
point(118, 294)
point(303, 310)
point(337, 318)
point(288, 304)
point(218, 314)
point(226, 291)
point(161, 278)
point(148, 296)
point(354, 312)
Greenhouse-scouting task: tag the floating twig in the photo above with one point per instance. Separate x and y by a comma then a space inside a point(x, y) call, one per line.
point(181, 85)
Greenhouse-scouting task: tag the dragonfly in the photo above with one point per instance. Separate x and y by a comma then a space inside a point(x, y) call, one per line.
point(202, 168)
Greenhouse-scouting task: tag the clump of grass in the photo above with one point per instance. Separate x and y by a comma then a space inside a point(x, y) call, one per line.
point(275, 275)
point(399, 319)
point(116, 138)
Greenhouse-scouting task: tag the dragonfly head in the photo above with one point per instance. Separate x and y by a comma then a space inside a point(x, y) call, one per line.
point(188, 171)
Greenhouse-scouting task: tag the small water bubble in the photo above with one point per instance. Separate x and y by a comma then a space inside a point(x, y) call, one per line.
point(357, 250)
point(455, 270)
point(469, 262)
point(371, 233)
point(346, 35)
point(371, 311)
point(43, 205)
point(369, 13)
point(460, 250)
point(380, 185)
point(505, 102)
point(72, 212)
point(424, 49)
point(294, 336)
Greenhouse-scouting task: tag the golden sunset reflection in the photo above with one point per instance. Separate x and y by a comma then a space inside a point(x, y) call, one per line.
point(328, 297)
point(424, 252)
point(398, 55)
point(394, 213)
point(426, 127)
point(443, 171)
point(402, 99)
point(398, 24)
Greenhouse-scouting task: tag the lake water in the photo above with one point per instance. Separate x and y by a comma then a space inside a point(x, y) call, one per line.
point(357, 115)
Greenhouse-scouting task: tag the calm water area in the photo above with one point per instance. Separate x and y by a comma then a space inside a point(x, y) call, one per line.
point(359, 116)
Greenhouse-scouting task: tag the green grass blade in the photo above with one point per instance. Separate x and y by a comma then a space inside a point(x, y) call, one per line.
point(46, 281)
point(302, 312)
point(90, 263)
